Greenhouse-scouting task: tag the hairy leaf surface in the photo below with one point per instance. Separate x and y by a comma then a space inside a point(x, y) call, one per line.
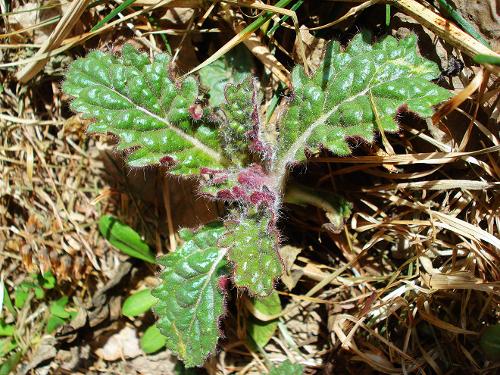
point(237, 123)
point(189, 300)
point(355, 93)
point(135, 99)
point(252, 243)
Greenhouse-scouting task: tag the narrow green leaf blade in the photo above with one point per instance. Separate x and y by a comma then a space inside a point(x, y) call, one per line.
point(135, 99)
point(253, 251)
point(354, 93)
point(125, 238)
point(138, 303)
point(189, 300)
point(487, 59)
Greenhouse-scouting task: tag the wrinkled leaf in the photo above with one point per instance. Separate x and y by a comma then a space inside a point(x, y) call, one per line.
point(135, 99)
point(125, 238)
point(138, 303)
point(253, 251)
point(262, 331)
point(189, 300)
point(354, 93)
point(241, 102)
point(152, 340)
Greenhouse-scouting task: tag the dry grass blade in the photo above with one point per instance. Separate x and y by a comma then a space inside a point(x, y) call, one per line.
point(419, 158)
point(426, 315)
point(255, 45)
point(459, 280)
point(459, 98)
point(466, 229)
point(246, 35)
point(62, 29)
point(438, 185)
point(350, 13)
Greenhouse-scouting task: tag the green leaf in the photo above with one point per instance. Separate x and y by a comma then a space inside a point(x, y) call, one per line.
point(53, 323)
point(232, 68)
point(6, 346)
point(262, 331)
point(355, 93)
point(6, 329)
point(47, 280)
point(490, 342)
point(287, 368)
point(253, 251)
point(125, 238)
point(241, 103)
point(58, 308)
point(138, 303)
point(189, 300)
point(39, 292)
point(152, 340)
point(21, 294)
point(135, 99)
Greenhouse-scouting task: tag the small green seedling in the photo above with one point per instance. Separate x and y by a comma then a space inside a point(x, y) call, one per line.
point(33, 290)
point(355, 92)
point(138, 304)
point(59, 315)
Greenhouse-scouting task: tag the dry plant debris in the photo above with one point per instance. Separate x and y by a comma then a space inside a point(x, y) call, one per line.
point(407, 285)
